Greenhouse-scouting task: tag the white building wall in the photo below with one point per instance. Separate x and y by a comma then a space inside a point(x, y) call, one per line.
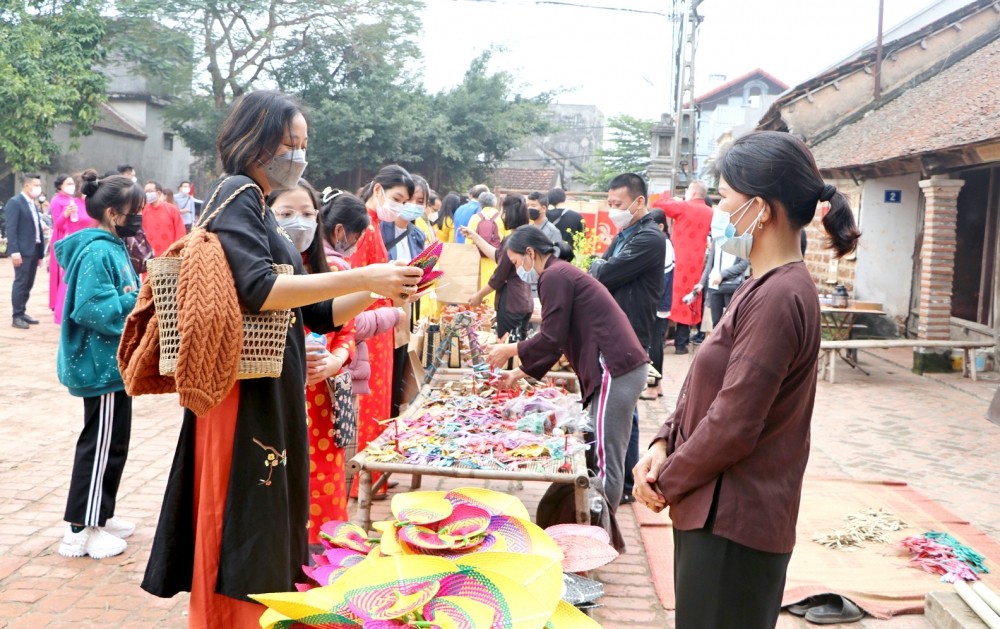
point(885, 253)
point(104, 151)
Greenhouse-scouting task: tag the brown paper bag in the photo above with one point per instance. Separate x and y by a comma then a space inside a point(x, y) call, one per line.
point(460, 263)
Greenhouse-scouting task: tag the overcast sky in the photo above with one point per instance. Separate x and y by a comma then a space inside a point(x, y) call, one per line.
point(620, 61)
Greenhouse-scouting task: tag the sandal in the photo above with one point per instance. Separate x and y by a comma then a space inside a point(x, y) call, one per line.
point(803, 606)
point(840, 611)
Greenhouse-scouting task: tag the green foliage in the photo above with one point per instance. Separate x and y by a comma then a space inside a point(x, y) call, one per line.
point(47, 54)
point(584, 249)
point(163, 56)
point(485, 120)
point(353, 64)
point(630, 154)
point(452, 138)
point(312, 49)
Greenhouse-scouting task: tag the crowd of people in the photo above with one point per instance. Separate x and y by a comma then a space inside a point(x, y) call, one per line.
point(728, 463)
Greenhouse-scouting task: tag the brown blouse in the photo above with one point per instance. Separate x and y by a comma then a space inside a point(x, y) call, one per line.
point(744, 413)
point(505, 278)
point(581, 319)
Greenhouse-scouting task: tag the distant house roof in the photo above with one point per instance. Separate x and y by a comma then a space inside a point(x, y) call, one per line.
point(958, 106)
point(113, 122)
point(524, 179)
point(736, 85)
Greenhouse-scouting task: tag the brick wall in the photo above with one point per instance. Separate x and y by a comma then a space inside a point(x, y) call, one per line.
point(938, 255)
point(826, 270)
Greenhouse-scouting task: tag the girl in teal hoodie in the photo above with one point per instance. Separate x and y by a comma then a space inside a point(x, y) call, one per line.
point(101, 292)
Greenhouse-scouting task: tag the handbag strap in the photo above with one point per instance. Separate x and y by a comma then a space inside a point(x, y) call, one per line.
point(395, 241)
point(206, 218)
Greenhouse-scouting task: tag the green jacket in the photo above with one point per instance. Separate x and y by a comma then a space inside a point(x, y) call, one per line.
point(101, 288)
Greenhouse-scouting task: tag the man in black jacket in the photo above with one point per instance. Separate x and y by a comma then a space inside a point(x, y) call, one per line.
point(569, 222)
point(632, 270)
point(25, 245)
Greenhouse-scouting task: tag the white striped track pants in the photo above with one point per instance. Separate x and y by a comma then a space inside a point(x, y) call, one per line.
point(101, 451)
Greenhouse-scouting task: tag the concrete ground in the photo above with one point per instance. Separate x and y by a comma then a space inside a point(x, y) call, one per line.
point(929, 431)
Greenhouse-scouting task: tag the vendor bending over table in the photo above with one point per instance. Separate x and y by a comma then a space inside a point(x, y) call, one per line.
point(580, 319)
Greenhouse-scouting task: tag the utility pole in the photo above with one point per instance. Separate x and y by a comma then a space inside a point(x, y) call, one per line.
point(684, 132)
point(878, 53)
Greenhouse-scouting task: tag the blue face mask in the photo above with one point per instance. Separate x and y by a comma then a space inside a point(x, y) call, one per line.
point(722, 228)
point(411, 212)
point(741, 245)
point(530, 276)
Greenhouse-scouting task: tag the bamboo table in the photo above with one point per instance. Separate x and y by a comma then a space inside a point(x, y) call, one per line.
point(363, 468)
point(840, 322)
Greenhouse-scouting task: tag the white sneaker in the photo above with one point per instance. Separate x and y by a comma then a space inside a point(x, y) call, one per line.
point(119, 528)
point(91, 541)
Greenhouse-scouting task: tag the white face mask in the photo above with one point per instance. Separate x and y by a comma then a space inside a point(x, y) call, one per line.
point(284, 171)
point(300, 230)
point(70, 189)
point(35, 192)
point(389, 209)
point(150, 197)
point(621, 218)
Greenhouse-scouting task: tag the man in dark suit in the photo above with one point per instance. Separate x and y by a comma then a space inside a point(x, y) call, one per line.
point(25, 244)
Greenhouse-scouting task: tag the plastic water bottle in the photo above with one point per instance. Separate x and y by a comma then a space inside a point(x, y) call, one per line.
point(74, 215)
point(315, 343)
point(596, 504)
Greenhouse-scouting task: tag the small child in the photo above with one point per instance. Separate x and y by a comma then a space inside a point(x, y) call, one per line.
point(101, 291)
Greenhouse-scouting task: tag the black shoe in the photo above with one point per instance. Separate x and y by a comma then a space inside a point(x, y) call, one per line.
point(803, 606)
point(20, 323)
point(841, 611)
point(681, 350)
point(28, 319)
point(698, 338)
point(627, 499)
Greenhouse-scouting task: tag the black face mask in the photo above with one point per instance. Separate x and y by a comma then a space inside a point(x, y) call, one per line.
point(534, 214)
point(131, 227)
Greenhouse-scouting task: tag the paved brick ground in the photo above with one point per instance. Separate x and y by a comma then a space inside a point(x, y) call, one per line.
point(930, 432)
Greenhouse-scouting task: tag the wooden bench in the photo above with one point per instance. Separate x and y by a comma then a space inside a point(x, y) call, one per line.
point(829, 350)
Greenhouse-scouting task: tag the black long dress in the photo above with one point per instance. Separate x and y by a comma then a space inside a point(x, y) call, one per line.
point(264, 541)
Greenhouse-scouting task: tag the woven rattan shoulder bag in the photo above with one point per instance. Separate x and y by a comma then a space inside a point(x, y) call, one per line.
point(262, 347)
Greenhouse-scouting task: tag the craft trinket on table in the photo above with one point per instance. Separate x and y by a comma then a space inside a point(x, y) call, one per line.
point(472, 429)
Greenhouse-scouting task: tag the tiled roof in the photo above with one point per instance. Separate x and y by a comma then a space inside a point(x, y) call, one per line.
point(113, 122)
point(531, 179)
point(922, 24)
point(958, 106)
point(740, 80)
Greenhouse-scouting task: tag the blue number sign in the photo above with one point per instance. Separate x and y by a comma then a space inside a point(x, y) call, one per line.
point(893, 196)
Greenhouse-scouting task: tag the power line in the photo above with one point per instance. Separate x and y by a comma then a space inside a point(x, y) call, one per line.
point(601, 8)
point(673, 17)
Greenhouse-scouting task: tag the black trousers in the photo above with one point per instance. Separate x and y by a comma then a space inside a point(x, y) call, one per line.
point(400, 371)
point(101, 451)
point(682, 336)
point(720, 584)
point(717, 303)
point(513, 323)
point(656, 345)
point(24, 281)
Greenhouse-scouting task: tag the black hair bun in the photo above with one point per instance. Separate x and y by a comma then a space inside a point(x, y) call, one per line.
point(90, 182)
